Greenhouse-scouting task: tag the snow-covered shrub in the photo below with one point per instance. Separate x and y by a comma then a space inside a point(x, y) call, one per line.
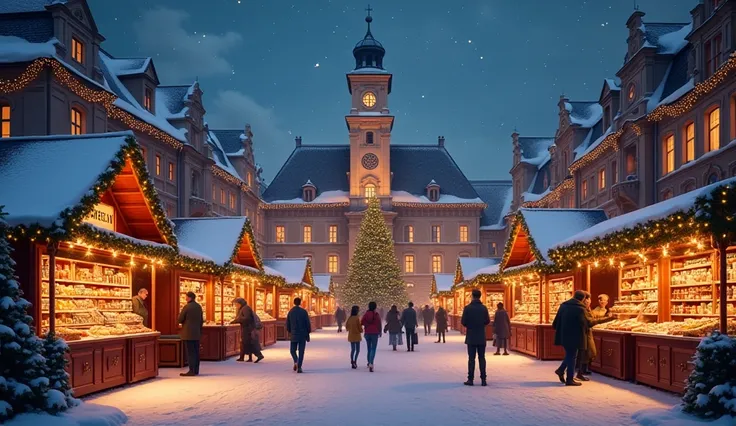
point(711, 387)
point(60, 393)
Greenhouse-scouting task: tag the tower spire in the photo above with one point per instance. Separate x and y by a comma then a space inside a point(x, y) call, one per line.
point(368, 52)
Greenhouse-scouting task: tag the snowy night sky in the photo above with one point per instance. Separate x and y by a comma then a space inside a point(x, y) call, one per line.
point(471, 70)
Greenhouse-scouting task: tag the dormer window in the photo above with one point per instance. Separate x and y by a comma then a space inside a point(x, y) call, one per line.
point(148, 99)
point(369, 138)
point(606, 117)
point(77, 50)
point(433, 191)
point(309, 191)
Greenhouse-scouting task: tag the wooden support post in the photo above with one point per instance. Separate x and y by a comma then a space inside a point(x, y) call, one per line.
point(723, 296)
point(152, 303)
point(51, 249)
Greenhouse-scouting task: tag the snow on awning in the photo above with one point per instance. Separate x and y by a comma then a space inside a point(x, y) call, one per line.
point(467, 267)
point(294, 271)
point(442, 282)
point(488, 270)
point(322, 282)
point(221, 240)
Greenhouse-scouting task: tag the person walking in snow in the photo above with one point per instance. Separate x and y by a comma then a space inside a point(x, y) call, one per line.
point(371, 322)
point(354, 329)
point(475, 319)
point(570, 332)
point(191, 319)
point(339, 318)
point(428, 318)
point(249, 342)
point(409, 321)
point(298, 325)
point(441, 317)
point(393, 327)
point(501, 329)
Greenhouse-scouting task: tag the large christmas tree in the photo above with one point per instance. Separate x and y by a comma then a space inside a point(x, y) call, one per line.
point(373, 273)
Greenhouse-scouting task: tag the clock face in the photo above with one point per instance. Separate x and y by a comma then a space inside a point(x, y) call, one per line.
point(369, 161)
point(369, 99)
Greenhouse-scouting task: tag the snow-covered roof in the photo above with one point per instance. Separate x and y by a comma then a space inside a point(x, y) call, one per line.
point(20, 6)
point(213, 237)
point(444, 281)
point(129, 66)
point(171, 101)
point(534, 150)
point(547, 227)
point(322, 282)
point(219, 156)
point(670, 42)
point(584, 114)
point(681, 203)
point(612, 85)
point(498, 195)
point(44, 175)
point(16, 49)
point(327, 197)
point(292, 270)
point(405, 197)
point(469, 266)
point(488, 270)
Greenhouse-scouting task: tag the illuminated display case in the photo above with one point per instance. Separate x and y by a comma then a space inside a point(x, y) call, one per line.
point(196, 286)
point(559, 291)
point(527, 302)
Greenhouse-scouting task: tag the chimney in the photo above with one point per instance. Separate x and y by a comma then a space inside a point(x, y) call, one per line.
point(441, 140)
point(298, 141)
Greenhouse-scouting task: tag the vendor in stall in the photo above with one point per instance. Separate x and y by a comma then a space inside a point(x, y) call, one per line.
point(139, 306)
point(601, 311)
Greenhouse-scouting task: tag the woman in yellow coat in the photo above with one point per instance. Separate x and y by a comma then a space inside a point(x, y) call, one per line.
point(354, 329)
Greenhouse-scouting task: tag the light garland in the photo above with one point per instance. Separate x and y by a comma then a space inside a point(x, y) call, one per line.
point(289, 206)
point(554, 196)
point(226, 176)
point(439, 205)
point(610, 142)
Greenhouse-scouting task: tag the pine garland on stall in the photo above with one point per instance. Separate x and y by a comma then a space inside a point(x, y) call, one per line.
point(711, 387)
point(23, 384)
point(373, 272)
point(60, 390)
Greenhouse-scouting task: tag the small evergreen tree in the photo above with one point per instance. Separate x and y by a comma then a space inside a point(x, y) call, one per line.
point(23, 385)
point(711, 387)
point(60, 392)
point(373, 272)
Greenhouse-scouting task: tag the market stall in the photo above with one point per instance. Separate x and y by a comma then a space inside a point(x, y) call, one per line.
point(466, 269)
point(666, 292)
point(325, 307)
point(441, 293)
point(537, 286)
point(298, 282)
point(85, 243)
point(487, 279)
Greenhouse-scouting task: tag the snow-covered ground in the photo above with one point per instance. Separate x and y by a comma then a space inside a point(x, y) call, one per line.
point(420, 388)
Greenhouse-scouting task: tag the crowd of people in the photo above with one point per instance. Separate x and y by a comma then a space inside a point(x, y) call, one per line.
point(573, 325)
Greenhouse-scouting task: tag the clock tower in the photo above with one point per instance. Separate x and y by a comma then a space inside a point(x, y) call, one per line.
point(369, 122)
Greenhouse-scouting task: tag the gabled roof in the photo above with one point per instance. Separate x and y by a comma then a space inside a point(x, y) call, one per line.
point(592, 139)
point(498, 195)
point(468, 266)
point(220, 157)
point(327, 166)
point(171, 100)
point(668, 38)
point(584, 113)
point(231, 140)
point(294, 271)
point(442, 283)
point(535, 231)
point(535, 149)
point(323, 282)
point(222, 240)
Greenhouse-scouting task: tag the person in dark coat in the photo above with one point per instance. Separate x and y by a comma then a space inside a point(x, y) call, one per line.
point(441, 317)
point(298, 325)
point(139, 306)
point(249, 342)
point(585, 357)
point(339, 318)
point(570, 326)
point(393, 327)
point(428, 318)
point(502, 329)
point(475, 319)
point(409, 321)
point(191, 319)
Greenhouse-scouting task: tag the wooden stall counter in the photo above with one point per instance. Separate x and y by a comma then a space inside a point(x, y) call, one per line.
point(219, 342)
point(327, 320)
point(268, 333)
point(547, 350)
point(664, 361)
point(615, 354)
point(281, 333)
point(524, 338)
point(313, 322)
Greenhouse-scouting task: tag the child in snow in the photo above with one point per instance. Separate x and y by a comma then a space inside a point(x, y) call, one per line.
point(354, 329)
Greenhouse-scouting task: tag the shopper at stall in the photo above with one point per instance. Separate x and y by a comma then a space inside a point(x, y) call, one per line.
point(570, 332)
point(339, 318)
point(249, 343)
point(585, 357)
point(409, 321)
point(428, 318)
point(139, 306)
point(393, 327)
point(441, 318)
point(501, 329)
point(191, 319)
point(475, 319)
point(601, 310)
point(371, 322)
point(354, 329)
point(299, 327)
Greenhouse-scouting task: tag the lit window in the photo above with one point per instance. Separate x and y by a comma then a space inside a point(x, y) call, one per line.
point(689, 142)
point(494, 249)
point(369, 99)
point(148, 99)
point(436, 264)
point(409, 234)
point(370, 190)
point(171, 171)
point(232, 201)
point(436, 233)
point(332, 264)
point(409, 263)
point(247, 214)
point(369, 138)
point(77, 50)
point(222, 196)
point(4, 121)
point(601, 179)
point(280, 234)
point(77, 122)
point(669, 154)
point(249, 179)
point(158, 165)
point(584, 190)
point(307, 233)
point(632, 92)
point(714, 128)
point(333, 233)
point(463, 233)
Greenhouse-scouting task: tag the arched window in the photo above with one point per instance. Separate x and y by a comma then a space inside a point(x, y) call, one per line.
point(4, 121)
point(308, 194)
point(434, 194)
point(713, 121)
point(77, 119)
point(249, 179)
point(369, 190)
point(369, 138)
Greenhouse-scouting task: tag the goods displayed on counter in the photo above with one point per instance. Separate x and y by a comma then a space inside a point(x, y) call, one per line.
point(94, 273)
point(284, 305)
point(264, 316)
point(559, 292)
point(83, 290)
point(269, 303)
point(450, 306)
point(493, 298)
point(260, 301)
point(634, 308)
point(527, 318)
point(692, 271)
point(197, 287)
point(689, 327)
point(529, 302)
point(225, 310)
point(65, 305)
point(312, 314)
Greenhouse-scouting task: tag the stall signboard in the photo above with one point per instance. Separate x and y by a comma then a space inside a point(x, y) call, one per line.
point(102, 216)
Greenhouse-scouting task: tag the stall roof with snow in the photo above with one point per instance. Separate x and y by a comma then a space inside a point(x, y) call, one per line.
point(442, 283)
point(222, 240)
point(467, 267)
point(535, 231)
point(47, 183)
point(323, 282)
point(295, 272)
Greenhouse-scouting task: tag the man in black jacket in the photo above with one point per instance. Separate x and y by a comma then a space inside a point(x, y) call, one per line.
point(191, 319)
point(570, 326)
point(409, 320)
point(475, 319)
point(298, 325)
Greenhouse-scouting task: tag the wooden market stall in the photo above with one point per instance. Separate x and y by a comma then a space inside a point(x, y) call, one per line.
point(218, 261)
point(442, 295)
point(537, 286)
point(298, 282)
point(663, 280)
point(88, 233)
point(325, 307)
point(492, 290)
